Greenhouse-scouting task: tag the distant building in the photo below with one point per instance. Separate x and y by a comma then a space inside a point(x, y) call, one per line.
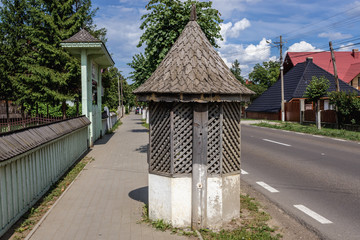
point(347, 64)
point(296, 79)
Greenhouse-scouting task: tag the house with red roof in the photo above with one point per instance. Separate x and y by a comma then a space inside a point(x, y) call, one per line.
point(347, 64)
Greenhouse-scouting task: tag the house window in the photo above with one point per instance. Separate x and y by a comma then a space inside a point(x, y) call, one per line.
point(358, 81)
point(326, 105)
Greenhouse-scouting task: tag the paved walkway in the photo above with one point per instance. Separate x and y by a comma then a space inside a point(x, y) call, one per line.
point(106, 200)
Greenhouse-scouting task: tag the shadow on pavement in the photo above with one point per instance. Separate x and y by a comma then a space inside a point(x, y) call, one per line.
point(139, 130)
point(104, 139)
point(143, 148)
point(140, 194)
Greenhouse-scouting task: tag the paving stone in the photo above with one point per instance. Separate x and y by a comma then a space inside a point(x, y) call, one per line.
point(99, 205)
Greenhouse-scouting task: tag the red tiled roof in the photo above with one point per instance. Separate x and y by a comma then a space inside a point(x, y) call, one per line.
point(347, 63)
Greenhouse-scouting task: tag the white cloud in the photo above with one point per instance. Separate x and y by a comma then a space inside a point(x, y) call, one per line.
point(246, 55)
point(302, 47)
point(334, 35)
point(347, 47)
point(228, 30)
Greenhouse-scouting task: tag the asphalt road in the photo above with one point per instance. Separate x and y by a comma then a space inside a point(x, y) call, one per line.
point(315, 179)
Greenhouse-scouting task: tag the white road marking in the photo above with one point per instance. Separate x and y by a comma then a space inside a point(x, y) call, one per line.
point(313, 214)
point(322, 154)
point(286, 131)
point(299, 133)
point(267, 187)
point(284, 144)
point(318, 136)
point(244, 172)
point(338, 139)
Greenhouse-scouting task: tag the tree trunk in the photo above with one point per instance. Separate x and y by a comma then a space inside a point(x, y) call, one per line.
point(77, 106)
point(318, 115)
point(23, 114)
point(7, 114)
point(64, 110)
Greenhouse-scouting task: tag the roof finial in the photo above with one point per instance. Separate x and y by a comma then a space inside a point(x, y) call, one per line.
point(193, 16)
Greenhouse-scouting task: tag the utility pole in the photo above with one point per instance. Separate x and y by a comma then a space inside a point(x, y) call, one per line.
point(336, 81)
point(122, 97)
point(280, 45)
point(334, 65)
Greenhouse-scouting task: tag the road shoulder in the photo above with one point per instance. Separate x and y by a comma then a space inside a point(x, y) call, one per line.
point(287, 226)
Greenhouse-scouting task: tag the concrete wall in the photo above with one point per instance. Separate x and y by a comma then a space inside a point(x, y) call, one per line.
point(26, 177)
point(108, 123)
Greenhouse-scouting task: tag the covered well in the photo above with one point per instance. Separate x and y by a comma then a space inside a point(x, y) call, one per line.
point(194, 151)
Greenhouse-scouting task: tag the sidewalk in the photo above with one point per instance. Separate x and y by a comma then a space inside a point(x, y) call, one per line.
point(106, 200)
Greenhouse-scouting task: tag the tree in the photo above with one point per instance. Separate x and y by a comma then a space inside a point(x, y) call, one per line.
point(348, 105)
point(12, 46)
point(45, 73)
point(235, 69)
point(257, 88)
point(111, 94)
point(162, 25)
point(267, 74)
point(317, 89)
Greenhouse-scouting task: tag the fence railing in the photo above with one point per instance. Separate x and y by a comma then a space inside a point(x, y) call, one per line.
point(40, 157)
point(19, 123)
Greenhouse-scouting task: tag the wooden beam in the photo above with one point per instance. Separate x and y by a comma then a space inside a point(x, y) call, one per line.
point(199, 167)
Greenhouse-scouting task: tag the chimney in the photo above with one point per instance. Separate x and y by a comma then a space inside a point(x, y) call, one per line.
point(309, 59)
point(355, 53)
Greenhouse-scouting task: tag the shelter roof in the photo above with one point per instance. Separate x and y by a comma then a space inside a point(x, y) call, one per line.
point(82, 36)
point(295, 82)
point(345, 62)
point(95, 47)
point(192, 66)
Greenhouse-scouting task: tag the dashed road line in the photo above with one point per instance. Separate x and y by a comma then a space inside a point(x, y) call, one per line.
point(313, 214)
point(284, 144)
point(244, 172)
point(267, 187)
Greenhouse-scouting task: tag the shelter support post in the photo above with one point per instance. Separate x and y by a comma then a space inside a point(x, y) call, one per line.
point(199, 173)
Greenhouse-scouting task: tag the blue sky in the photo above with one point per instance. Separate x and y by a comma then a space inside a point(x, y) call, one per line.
point(306, 25)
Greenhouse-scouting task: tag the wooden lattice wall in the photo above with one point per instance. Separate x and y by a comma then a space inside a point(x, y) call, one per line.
point(171, 135)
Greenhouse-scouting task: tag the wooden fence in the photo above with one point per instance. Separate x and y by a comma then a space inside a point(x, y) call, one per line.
point(32, 160)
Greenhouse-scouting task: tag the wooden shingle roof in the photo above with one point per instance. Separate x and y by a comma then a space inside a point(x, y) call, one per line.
point(82, 36)
point(192, 66)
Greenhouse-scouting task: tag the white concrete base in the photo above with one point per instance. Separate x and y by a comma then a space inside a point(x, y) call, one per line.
point(170, 200)
point(223, 200)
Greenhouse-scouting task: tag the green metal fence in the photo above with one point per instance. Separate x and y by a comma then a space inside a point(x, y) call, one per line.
point(25, 177)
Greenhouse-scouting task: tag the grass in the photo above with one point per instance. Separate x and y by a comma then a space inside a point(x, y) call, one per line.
point(144, 124)
point(162, 225)
point(311, 129)
point(251, 225)
point(116, 125)
point(33, 216)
